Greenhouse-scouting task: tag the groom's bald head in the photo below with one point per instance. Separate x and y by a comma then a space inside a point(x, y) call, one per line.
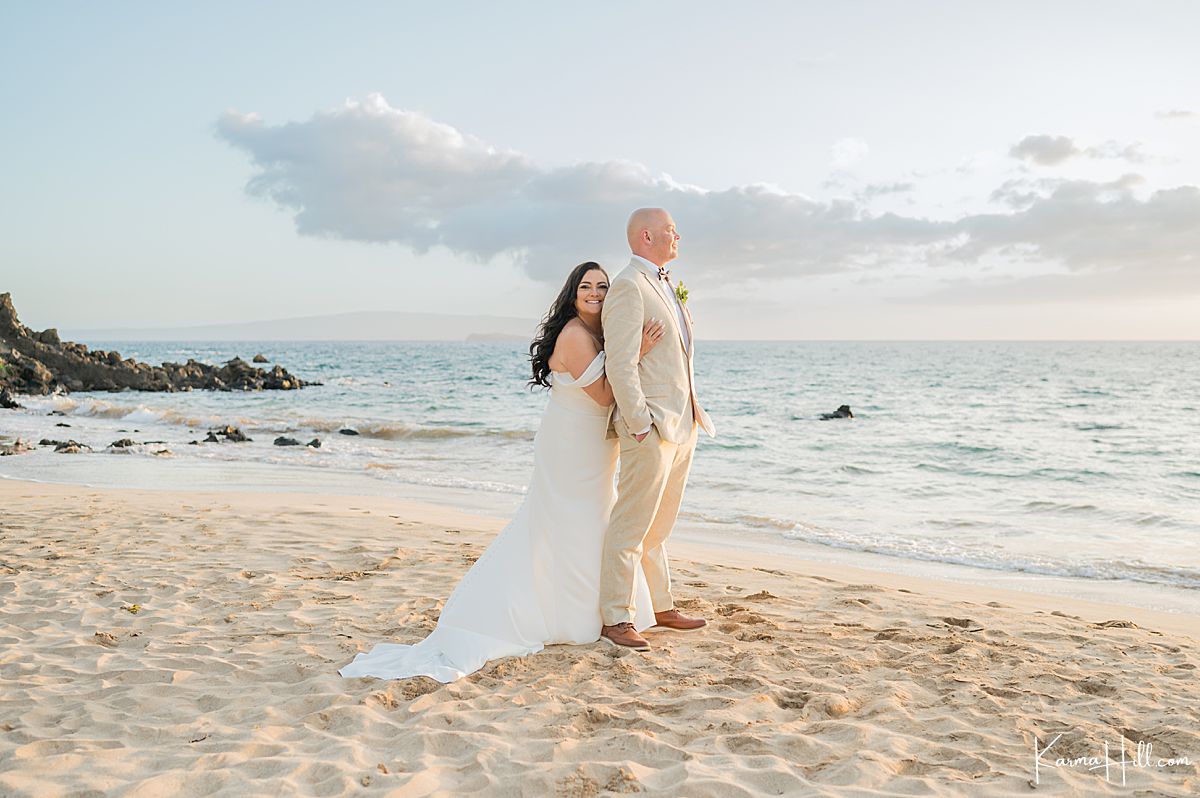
point(651, 234)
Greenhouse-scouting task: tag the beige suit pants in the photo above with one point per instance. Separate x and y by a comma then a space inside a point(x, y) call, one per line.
point(649, 491)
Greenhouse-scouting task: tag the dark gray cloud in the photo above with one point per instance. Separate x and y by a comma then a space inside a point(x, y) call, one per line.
point(370, 172)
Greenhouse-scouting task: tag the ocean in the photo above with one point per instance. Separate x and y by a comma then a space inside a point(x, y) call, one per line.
point(1078, 463)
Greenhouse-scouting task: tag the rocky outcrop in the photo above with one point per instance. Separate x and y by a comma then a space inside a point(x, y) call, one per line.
point(231, 434)
point(40, 363)
point(841, 412)
point(283, 440)
point(261, 358)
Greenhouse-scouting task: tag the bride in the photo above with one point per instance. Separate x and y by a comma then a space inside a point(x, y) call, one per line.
point(538, 583)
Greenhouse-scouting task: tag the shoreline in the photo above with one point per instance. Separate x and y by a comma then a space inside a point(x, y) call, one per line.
point(757, 552)
point(134, 473)
point(186, 642)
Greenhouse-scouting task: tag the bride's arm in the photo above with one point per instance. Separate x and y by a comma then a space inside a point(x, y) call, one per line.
point(576, 350)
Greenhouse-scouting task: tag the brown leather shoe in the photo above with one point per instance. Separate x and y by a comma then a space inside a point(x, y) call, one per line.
point(671, 619)
point(623, 634)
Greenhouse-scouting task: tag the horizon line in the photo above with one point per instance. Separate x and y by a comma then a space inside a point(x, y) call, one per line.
point(514, 339)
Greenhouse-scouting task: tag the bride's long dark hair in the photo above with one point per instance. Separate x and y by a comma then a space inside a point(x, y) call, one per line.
point(561, 312)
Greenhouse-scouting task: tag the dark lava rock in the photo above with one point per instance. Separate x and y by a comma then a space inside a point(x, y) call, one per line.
point(261, 359)
point(841, 412)
point(123, 443)
point(71, 447)
point(231, 434)
point(48, 442)
point(61, 424)
point(347, 432)
point(315, 443)
point(7, 401)
point(281, 441)
point(212, 438)
point(40, 363)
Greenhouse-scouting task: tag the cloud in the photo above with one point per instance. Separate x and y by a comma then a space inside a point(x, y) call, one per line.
point(1045, 150)
point(1175, 113)
point(1091, 226)
point(371, 172)
point(873, 190)
point(1115, 150)
point(1105, 241)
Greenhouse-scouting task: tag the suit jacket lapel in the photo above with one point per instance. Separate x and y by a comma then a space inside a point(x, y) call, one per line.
point(687, 315)
point(654, 285)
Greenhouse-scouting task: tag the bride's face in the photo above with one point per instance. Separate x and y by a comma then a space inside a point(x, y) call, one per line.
point(589, 298)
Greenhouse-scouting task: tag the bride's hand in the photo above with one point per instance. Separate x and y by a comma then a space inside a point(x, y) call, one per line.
point(652, 333)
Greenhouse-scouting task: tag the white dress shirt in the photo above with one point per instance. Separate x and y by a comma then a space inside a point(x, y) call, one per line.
point(672, 300)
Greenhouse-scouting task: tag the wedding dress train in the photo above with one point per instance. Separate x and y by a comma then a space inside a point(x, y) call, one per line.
point(538, 583)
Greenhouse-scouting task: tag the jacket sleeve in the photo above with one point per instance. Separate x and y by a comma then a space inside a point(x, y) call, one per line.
point(621, 318)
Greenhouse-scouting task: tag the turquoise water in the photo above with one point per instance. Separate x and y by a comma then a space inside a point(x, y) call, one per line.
point(1076, 460)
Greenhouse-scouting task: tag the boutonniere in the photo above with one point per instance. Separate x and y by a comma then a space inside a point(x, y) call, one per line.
point(681, 292)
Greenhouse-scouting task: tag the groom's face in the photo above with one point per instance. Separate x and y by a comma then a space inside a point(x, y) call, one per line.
point(664, 239)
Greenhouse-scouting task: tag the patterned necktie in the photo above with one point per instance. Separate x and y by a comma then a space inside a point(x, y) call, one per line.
point(664, 274)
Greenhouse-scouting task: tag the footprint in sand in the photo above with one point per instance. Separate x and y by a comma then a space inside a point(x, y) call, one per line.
point(859, 601)
point(751, 636)
point(1000, 692)
point(961, 623)
point(1095, 688)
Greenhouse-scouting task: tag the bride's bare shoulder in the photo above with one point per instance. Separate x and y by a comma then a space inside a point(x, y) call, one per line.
point(575, 338)
point(573, 344)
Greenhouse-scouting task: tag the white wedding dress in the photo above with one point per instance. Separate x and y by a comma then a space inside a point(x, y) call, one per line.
point(538, 582)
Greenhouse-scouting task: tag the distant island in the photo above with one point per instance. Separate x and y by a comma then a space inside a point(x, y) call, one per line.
point(363, 326)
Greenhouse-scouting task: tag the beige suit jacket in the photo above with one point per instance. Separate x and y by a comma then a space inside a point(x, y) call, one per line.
point(659, 389)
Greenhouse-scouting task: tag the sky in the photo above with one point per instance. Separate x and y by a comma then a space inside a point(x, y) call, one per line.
point(858, 170)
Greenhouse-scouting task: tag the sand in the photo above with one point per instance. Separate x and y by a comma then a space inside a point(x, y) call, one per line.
point(180, 644)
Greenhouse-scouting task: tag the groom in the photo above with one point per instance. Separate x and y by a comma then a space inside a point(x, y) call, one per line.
point(656, 419)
